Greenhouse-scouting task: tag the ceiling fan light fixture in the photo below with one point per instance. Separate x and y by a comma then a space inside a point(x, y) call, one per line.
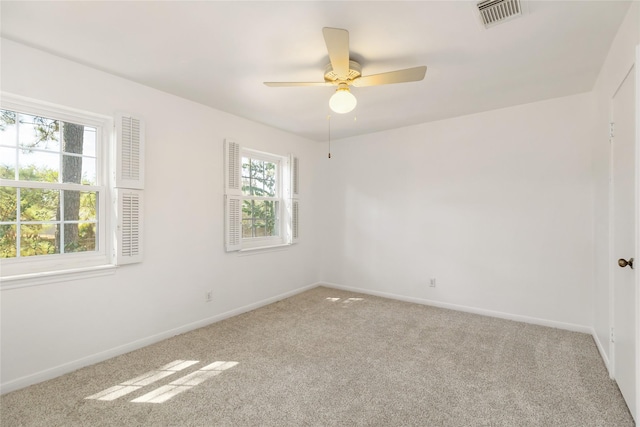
point(343, 100)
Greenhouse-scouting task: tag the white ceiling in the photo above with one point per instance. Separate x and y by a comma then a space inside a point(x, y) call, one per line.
point(220, 53)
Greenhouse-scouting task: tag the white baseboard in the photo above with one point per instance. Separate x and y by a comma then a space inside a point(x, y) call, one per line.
point(508, 316)
point(65, 368)
point(603, 353)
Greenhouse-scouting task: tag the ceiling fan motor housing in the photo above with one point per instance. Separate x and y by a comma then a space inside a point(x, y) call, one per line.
point(355, 71)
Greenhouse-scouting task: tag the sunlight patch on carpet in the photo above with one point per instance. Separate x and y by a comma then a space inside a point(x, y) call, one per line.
point(145, 379)
point(346, 301)
point(166, 392)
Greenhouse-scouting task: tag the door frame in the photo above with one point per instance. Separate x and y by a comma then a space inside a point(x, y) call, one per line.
point(635, 68)
point(637, 221)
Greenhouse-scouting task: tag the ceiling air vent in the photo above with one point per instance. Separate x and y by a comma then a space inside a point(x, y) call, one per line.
point(493, 12)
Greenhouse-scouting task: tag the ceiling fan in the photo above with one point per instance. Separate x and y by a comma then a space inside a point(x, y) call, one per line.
point(343, 72)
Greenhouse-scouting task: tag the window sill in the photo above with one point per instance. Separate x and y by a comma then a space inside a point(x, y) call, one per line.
point(260, 249)
point(44, 278)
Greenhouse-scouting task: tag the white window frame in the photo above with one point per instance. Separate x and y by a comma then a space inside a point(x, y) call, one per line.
point(233, 198)
point(280, 239)
point(26, 271)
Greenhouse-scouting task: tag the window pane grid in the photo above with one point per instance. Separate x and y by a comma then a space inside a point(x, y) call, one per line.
point(25, 236)
point(51, 185)
point(267, 199)
point(260, 218)
point(259, 177)
point(50, 193)
point(261, 202)
point(42, 146)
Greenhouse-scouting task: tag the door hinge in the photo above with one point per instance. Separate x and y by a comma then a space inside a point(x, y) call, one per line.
point(612, 127)
point(612, 336)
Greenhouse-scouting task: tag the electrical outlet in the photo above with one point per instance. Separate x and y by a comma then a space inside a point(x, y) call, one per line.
point(432, 282)
point(209, 296)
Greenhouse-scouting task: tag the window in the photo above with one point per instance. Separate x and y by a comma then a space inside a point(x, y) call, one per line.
point(51, 197)
point(261, 196)
point(54, 193)
point(259, 208)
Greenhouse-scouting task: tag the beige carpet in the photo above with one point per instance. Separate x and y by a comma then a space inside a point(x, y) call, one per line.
point(328, 357)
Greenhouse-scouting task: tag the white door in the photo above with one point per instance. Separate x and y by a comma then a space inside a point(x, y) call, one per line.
point(624, 239)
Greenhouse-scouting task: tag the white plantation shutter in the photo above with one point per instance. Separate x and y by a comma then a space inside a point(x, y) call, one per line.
point(129, 152)
point(232, 196)
point(129, 182)
point(233, 168)
point(233, 223)
point(295, 223)
point(294, 215)
point(294, 163)
point(128, 247)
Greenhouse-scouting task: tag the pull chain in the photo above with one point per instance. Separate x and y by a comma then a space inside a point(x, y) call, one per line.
point(329, 121)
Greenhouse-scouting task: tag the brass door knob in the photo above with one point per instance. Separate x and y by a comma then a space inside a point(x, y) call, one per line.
point(623, 262)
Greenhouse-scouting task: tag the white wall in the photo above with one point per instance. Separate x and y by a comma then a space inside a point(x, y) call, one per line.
point(618, 63)
point(496, 206)
point(50, 329)
point(506, 209)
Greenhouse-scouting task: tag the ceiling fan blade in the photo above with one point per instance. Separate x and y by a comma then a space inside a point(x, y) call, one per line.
point(337, 41)
point(292, 84)
point(400, 76)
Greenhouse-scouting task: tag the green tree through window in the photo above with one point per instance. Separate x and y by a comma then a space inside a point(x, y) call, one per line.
point(260, 206)
point(47, 169)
